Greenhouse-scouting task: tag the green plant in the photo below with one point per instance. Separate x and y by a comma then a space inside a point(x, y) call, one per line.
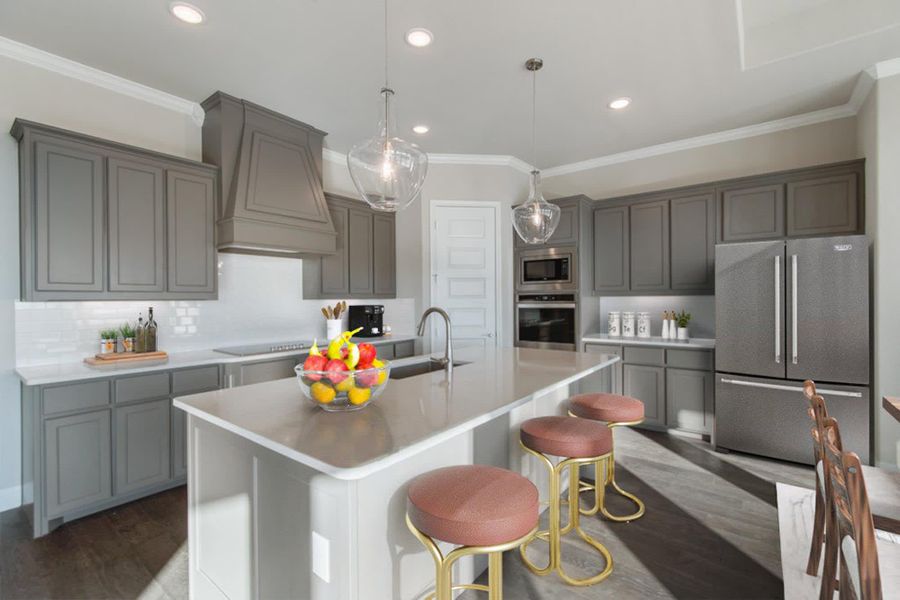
point(683, 319)
point(109, 334)
point(126, 330)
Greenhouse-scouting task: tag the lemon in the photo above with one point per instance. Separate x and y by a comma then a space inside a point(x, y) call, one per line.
point(322, 392)
point(359, 395)
point(382, 375)
point(345, 385)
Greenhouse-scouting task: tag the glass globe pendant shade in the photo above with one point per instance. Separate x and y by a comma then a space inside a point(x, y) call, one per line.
point(387, 171)
point(536, 219)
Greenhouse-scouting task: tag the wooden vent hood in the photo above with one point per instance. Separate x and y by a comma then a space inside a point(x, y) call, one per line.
point(271, 201)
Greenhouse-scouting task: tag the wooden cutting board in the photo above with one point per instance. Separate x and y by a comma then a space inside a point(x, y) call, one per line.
point(123, 357)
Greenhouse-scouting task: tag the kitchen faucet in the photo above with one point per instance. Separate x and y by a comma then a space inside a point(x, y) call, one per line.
point(447, 361)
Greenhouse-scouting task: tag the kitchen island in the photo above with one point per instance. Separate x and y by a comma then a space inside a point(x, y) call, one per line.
point(288, 501)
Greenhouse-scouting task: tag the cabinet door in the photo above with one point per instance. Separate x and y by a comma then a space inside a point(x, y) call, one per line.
point(821, 206)
point(606, 381)
point(566, 231)
point(136, 227)
point(335, 267)
point(360, 248)
point(179, 442)
point(78, 463)
point(648, 385)
point(689, 400)
point(693, 230)
point(269, 370)
point(753, 213)
point(384, 256)
point(404, 349)
point(191, 206)
point(68, 219)
point(142, 445)
point(649, 225)
point(611, 248)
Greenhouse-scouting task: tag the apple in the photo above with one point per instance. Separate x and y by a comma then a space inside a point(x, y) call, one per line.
point(367, 353)
point(314, 363)
point(366, 378)
point(336, 370)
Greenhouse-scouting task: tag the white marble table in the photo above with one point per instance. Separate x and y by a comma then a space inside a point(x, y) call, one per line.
point(286, 500)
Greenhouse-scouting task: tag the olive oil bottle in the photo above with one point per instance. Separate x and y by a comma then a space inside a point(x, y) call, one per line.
point(140, 335)
point(151, 330)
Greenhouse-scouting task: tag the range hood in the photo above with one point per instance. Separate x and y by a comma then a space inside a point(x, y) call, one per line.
point(271, 199)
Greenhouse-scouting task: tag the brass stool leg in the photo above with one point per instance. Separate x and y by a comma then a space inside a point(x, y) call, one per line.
point(443, 579)
point(555, 529)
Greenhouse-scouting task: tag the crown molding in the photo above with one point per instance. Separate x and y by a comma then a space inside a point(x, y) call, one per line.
point(69, 68)
point(885, 68)
point(483, 160)
point(334, 156)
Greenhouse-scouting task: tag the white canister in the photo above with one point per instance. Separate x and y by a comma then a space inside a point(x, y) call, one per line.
point(614, 323)
point(333, 328)
point(643, 324)
point(628, 324)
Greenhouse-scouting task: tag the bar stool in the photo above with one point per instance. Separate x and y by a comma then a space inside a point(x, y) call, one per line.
point(615, 411)
point(482, 509)
point(578, 442)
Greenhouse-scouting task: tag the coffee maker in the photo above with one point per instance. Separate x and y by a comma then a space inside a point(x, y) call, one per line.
point(368, 316)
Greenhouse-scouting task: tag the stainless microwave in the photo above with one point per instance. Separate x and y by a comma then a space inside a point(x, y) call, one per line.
point(546, 269)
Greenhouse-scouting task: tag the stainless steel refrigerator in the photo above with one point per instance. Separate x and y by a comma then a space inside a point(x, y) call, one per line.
point(788, 311)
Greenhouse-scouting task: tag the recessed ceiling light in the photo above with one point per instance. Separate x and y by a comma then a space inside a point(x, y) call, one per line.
point(421, 129)
point(187, 13)
point(419, 37)
point(619, 103)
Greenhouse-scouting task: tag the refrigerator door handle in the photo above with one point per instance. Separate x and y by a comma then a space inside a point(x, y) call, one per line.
point(778, 309)
point(788, 388)
point(794, 308)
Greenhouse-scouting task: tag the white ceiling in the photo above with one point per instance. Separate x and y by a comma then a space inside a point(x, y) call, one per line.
point(321, 61)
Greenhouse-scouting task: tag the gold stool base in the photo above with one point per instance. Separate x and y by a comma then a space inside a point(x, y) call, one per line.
point(555, 532)
point(443, 565)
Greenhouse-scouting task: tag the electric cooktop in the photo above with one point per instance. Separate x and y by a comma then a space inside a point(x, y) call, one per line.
point(266, 348)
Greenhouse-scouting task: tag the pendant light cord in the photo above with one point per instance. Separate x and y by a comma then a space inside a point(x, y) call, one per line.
point(386, 43)
point(533, 119)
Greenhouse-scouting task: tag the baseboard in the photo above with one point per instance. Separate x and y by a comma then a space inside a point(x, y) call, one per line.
point(10, 497)
point(886, 465)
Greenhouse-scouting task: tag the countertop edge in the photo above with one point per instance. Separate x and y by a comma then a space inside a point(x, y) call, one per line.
point(691, 344)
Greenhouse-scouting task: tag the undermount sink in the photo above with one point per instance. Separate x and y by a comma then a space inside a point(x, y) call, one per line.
point(420, 368)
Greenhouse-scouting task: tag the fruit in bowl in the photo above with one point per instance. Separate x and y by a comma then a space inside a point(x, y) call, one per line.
point(347, 376)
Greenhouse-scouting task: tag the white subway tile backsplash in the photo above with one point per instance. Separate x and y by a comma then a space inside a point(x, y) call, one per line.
point(260, 299)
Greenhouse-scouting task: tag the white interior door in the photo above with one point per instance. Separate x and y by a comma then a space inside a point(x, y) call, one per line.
point(464, 277)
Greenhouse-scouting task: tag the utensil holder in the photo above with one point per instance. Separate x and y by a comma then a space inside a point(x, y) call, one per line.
point(333, 328)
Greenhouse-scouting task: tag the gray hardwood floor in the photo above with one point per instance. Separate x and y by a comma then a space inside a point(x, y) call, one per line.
point(710, 531)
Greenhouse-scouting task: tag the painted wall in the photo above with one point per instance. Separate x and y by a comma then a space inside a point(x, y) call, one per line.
point(879, 141)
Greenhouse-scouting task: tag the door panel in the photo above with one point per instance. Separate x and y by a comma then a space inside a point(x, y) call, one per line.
point(752, 213)
point(689, 400)
point(359, 245)
point(270, 370)
point(649, 224)
point(693, 242)
point(823, 205)
point(142, 445)
point(190, 200)
point(746, 302)
point(647, 384)
point(831, 331)
point(179, 442)
point(78, 461)
point(611, 247)
point(384, 257)
point(335, 267)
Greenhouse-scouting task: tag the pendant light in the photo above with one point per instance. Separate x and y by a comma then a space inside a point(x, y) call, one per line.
point(387, 171)
point(536, 219)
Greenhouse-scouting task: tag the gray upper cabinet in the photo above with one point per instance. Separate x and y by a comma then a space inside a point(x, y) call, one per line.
point(361, 265)
point(142, 445)
point(693, 239)
point(566, 232)
point(611, 250)
point(190, 199)
point(823, 206)
point(63, 216)
point(77, 460)
point(649, 240)
point(136, 227)
point(335, 268)
point(101, 220)
point(752, 213)
point(384, 256)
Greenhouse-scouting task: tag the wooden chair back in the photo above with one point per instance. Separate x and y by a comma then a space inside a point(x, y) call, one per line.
point(859, 579)
point(818, 414)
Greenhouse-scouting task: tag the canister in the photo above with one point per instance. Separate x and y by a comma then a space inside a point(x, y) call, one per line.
point(628, 324)
point(614, 323)
point(643, 324)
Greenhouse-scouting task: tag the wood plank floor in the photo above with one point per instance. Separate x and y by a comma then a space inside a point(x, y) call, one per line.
point(710, 532)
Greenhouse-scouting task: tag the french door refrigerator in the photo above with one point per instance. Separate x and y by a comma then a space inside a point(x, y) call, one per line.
point(788, 311)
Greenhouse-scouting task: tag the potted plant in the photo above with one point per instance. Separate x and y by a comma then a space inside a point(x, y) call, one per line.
point(108, 339)
point(127, 333)
point(682, 320)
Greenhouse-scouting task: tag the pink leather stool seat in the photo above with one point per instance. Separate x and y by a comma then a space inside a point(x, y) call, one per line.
point(566, 436)
point(610, 408)
point(473, 505)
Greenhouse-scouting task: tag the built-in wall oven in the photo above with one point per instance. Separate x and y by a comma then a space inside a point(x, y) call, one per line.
point(546, 321)
point(546, 269)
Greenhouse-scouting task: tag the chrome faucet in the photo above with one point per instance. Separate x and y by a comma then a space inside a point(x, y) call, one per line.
point(447, 361)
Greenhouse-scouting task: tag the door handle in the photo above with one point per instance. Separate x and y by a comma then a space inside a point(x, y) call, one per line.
point(788, 388)
point(778, 309)
point(489, 335)
point(794, 309)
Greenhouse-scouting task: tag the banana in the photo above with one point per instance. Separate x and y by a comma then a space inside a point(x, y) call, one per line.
point(334, 348)
point(314, 349)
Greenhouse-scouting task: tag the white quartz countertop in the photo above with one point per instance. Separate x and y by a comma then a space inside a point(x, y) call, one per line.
point(411, 415)
point(77, 371)
point(691, 344)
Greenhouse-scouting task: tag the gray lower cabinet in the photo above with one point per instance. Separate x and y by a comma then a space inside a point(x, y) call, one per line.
point(248, 373)
point(179, 442)
point(77, 459)
point(191, 250)
point(693, 242)
point(611, 250)
point(142, 445)
point(647, 384)
point(689, 400)
point(402, 349)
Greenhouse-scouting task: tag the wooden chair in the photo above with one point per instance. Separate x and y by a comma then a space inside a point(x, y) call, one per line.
point(851, 521)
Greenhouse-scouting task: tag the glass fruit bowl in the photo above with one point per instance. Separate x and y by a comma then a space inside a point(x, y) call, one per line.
point(337, 391)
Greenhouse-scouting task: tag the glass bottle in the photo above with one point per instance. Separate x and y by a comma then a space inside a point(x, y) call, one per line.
point(140, 335)
point(151, 332)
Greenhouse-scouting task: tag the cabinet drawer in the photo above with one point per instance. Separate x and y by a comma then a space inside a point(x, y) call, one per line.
point(645, 356)
point(385, 351)
point(690, 359)
point(189, 381)
point(142, 387)
point(78, 396)
point(603, 349)
point(404, 349)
